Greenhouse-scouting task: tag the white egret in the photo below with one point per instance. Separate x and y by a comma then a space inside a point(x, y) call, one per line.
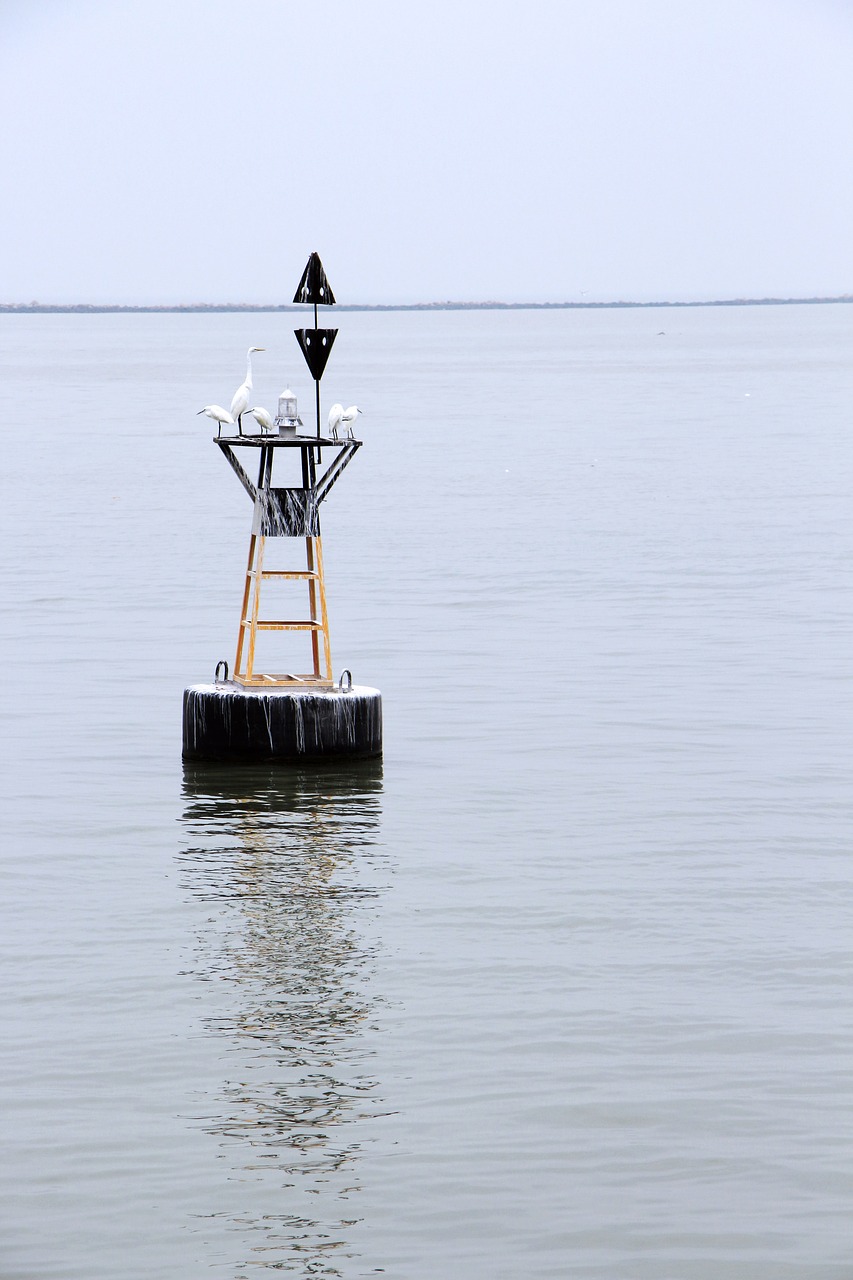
point(240, 403)
point(262, 418)
point(349, 416)
point(335, 414)
point(217, 414)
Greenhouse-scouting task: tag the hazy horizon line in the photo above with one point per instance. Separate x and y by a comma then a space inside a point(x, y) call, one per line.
point(92, 308)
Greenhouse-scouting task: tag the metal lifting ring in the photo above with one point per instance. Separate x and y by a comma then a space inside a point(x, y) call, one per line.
point(348, 687)
point(221, 663)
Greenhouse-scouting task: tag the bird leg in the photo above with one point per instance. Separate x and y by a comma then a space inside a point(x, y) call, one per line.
point(240, 423)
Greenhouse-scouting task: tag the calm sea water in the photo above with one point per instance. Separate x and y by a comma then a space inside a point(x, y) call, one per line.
point(562, 989)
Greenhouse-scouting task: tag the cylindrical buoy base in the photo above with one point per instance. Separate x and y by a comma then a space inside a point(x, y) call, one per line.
point(224, 721)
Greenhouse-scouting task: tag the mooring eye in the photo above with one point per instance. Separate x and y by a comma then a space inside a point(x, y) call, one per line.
point(221, 663)
point(345, 688)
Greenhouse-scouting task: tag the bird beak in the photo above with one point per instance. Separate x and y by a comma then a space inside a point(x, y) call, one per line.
point(200, 411)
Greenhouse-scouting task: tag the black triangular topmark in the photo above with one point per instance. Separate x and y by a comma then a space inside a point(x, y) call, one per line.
point(314, 287)
point(316, 347)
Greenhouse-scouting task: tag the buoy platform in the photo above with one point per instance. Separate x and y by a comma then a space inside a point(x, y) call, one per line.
point(226, 722)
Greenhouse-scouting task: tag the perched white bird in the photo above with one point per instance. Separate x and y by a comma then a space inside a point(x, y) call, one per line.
point(348, 417)
point(217, 414)
point(335, 414)
point(262, 418)
point(240, 403)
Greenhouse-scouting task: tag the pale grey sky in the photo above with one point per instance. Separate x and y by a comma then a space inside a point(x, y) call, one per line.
point(580, 150)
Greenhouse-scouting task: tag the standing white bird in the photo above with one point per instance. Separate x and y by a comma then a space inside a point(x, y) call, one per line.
point(335, 414)
point(217, 414)
point(348, 417)
point(240, 403)
point(262, 418)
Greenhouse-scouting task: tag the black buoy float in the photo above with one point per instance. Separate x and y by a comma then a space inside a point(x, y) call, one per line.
point(292, 717)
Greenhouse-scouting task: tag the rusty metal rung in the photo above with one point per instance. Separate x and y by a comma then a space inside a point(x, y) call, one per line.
point(304, 575)
point(285, 626)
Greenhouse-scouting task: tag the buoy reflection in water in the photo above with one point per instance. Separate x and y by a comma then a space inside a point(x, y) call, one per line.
point(287, 864)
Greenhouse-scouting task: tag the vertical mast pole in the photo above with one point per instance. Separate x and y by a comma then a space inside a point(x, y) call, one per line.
point(317, 380)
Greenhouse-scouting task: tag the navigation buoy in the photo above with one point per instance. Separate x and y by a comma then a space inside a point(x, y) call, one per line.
point(287, 716)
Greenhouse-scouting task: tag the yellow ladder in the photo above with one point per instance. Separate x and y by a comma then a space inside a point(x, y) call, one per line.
point(317, 624)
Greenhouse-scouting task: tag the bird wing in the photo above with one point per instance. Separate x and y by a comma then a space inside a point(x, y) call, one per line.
point(241, 400)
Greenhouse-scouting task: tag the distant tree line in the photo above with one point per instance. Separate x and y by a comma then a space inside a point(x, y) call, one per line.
point(89, 308)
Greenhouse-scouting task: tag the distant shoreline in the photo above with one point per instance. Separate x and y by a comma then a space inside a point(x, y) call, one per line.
point(86, 308)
